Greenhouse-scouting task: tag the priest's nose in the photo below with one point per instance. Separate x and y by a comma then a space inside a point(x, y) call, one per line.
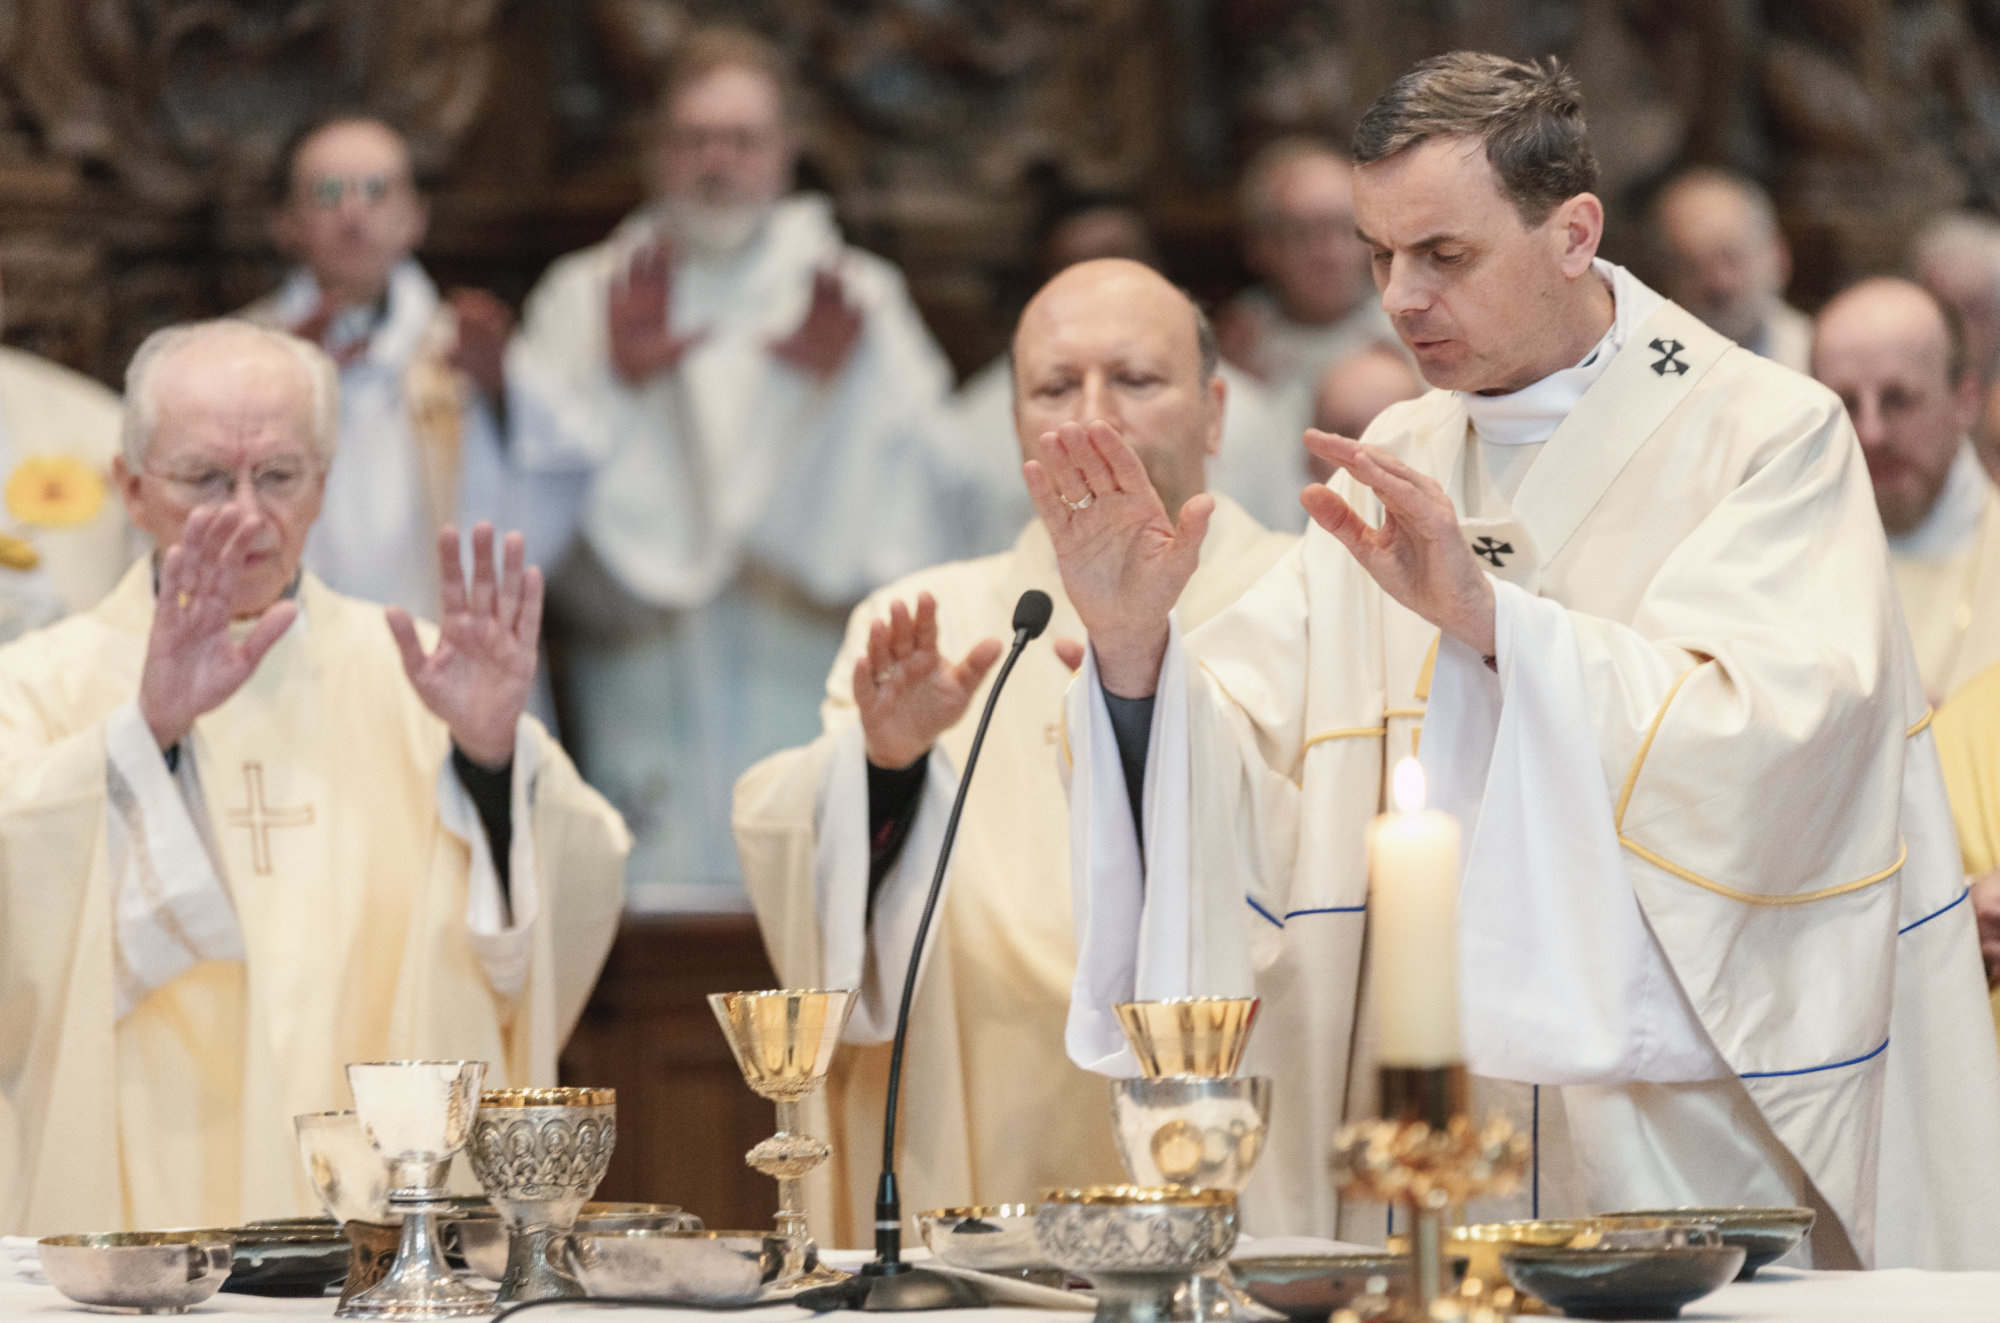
point(1099, 402)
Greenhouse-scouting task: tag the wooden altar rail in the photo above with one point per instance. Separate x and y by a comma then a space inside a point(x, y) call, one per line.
point(685, 1117)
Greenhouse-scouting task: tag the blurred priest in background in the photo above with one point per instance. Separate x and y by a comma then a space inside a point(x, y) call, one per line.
point(757, 401)
point(252, 830)
point(420, 374)
point(839, 839)
point(1629, 578)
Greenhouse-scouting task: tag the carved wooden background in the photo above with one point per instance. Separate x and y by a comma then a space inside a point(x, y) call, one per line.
point(137, 137)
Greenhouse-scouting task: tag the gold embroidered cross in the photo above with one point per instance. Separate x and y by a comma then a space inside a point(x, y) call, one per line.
point(260, 819)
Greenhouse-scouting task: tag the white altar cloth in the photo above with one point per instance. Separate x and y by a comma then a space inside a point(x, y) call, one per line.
point(1779, 1295)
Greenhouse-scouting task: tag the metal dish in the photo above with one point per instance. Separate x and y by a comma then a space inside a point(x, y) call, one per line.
point(294, 1260)
point(689, 1267)
point(997, 1238)
point(482, 1240)
point(1314, 1286)
point(137, 1272)
point(1766, 1234)
point(1622, 1283)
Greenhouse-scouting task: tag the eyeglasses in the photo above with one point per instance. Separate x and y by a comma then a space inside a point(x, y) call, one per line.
point(329, 191)
point(274, 482)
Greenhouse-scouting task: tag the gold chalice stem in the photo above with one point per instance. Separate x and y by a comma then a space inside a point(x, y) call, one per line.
point(788, 1156)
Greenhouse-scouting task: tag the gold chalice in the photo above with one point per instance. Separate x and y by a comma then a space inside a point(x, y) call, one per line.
point(1202, 1036)
point(784, 1042)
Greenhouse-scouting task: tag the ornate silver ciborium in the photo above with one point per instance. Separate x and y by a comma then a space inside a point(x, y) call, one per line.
point(1139, 1247)
point(540, 1153)
point(1201, 1133)
point(784, 1043)
point(418, 1115)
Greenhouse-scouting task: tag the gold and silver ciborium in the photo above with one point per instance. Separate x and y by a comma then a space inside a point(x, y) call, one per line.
point(784, 1043)
point(540, 1153)
point(1201, 1036)
point(418, 1115)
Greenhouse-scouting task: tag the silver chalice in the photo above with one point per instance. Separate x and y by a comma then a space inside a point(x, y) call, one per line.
point(540, 1154)
point(418, 1115)
point(1137, 1246)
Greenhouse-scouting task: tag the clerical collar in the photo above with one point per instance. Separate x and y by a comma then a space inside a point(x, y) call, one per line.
point(1954, 519)
point(1531, 415)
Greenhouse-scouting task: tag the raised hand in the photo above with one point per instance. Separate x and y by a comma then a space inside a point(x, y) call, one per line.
point(907, 692)
point(480, 352)
point(827, 335)
point(1123, 561)
point(1417, 555)
point(192, 664)
point(642, 344)
point(1986, 912)
point(477, 679)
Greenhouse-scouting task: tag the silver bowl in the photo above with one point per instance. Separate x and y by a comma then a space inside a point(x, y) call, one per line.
point(1606, 1283)
point(998, 1238)
point(482, 1239)
point(1765, 1234)
point(1184, 1130)
point(1314, 1286)
point(137, 1272)
point(691, 1267)
point(1137, 1245)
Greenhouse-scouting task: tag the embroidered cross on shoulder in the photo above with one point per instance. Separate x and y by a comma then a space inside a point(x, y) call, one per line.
point(1493, 550)
point(1670, 358)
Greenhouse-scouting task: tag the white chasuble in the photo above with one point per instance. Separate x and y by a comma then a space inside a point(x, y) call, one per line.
point(736, 509)
point(193, 958)
point(992, 1111)
point(1706, 703)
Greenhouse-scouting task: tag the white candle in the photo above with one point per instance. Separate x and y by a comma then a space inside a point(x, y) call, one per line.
point(1413, 928)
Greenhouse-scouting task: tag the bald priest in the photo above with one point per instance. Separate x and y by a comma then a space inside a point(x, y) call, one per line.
point(251, 831)
point(1629, 579)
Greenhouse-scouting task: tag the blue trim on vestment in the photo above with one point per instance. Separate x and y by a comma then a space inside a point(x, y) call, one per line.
point(1934, 913)
point(1277, 922)
point(1814, 1070)
point(1535, 1148)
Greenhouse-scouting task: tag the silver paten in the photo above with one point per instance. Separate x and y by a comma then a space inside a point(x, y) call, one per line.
point(137, 1272)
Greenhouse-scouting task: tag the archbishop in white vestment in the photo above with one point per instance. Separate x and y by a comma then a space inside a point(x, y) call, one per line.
point(206, 912)
point(756, 400)
point(1710, 887)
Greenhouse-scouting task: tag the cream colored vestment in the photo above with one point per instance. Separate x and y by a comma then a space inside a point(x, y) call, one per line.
point(1948, 579)
point(347, 865)
point(1709, 604)
point(992, 1110)
point(49, 411)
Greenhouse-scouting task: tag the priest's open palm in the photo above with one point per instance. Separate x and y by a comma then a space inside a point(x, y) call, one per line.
point(907, 692)
point(1418, 555)
point(1123, 561)
point(476, 680)
point(193, 664)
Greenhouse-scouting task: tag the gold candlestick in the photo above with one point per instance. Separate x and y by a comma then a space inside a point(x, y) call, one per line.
point(1426, 1155)
point(784, 1043)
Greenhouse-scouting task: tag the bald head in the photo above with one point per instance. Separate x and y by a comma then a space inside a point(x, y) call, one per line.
point(1722, 256)
point(1356, 388)
point(1112, 340)
point(1957, 257)
point(1888, 349)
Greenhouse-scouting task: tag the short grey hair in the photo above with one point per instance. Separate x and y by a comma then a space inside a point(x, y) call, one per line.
point(1529, 116)
point(1253, 201)
point(142, 412)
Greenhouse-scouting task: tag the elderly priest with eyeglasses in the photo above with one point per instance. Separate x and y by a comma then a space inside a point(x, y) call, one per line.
point(1629, 579)
point(252, 830)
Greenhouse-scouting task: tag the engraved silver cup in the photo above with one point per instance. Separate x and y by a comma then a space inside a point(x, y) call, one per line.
point(540, 1154)
point(418, 1115)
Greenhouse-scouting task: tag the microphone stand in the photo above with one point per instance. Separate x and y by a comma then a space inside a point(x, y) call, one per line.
point(886, 1284)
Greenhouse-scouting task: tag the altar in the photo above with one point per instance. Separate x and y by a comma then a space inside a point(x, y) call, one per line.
point(1780, 1295)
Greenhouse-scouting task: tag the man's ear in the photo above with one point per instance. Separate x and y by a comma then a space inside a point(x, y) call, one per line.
point(1580, 221)
point(126, 479)
point(1218, 402)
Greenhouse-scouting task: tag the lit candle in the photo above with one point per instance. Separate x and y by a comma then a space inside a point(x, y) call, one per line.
point(1413, 928)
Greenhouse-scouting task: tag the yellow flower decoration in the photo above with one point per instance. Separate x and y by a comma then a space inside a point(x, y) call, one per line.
point(54, 491)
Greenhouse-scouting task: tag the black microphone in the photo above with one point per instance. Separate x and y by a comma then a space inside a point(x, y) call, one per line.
point(887, 1284)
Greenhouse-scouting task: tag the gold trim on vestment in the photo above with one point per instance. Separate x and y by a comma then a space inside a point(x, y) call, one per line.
point(1430, 664)
point(1392, 713)
point(1646, 746)
point(1751, 898)
point(1346, 733)
point(1062, 724)
point(1923, 723)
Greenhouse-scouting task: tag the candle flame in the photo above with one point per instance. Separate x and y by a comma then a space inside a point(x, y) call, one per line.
point(1409, 786)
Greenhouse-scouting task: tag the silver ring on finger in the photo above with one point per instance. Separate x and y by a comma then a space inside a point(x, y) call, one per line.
point(1089, 499)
